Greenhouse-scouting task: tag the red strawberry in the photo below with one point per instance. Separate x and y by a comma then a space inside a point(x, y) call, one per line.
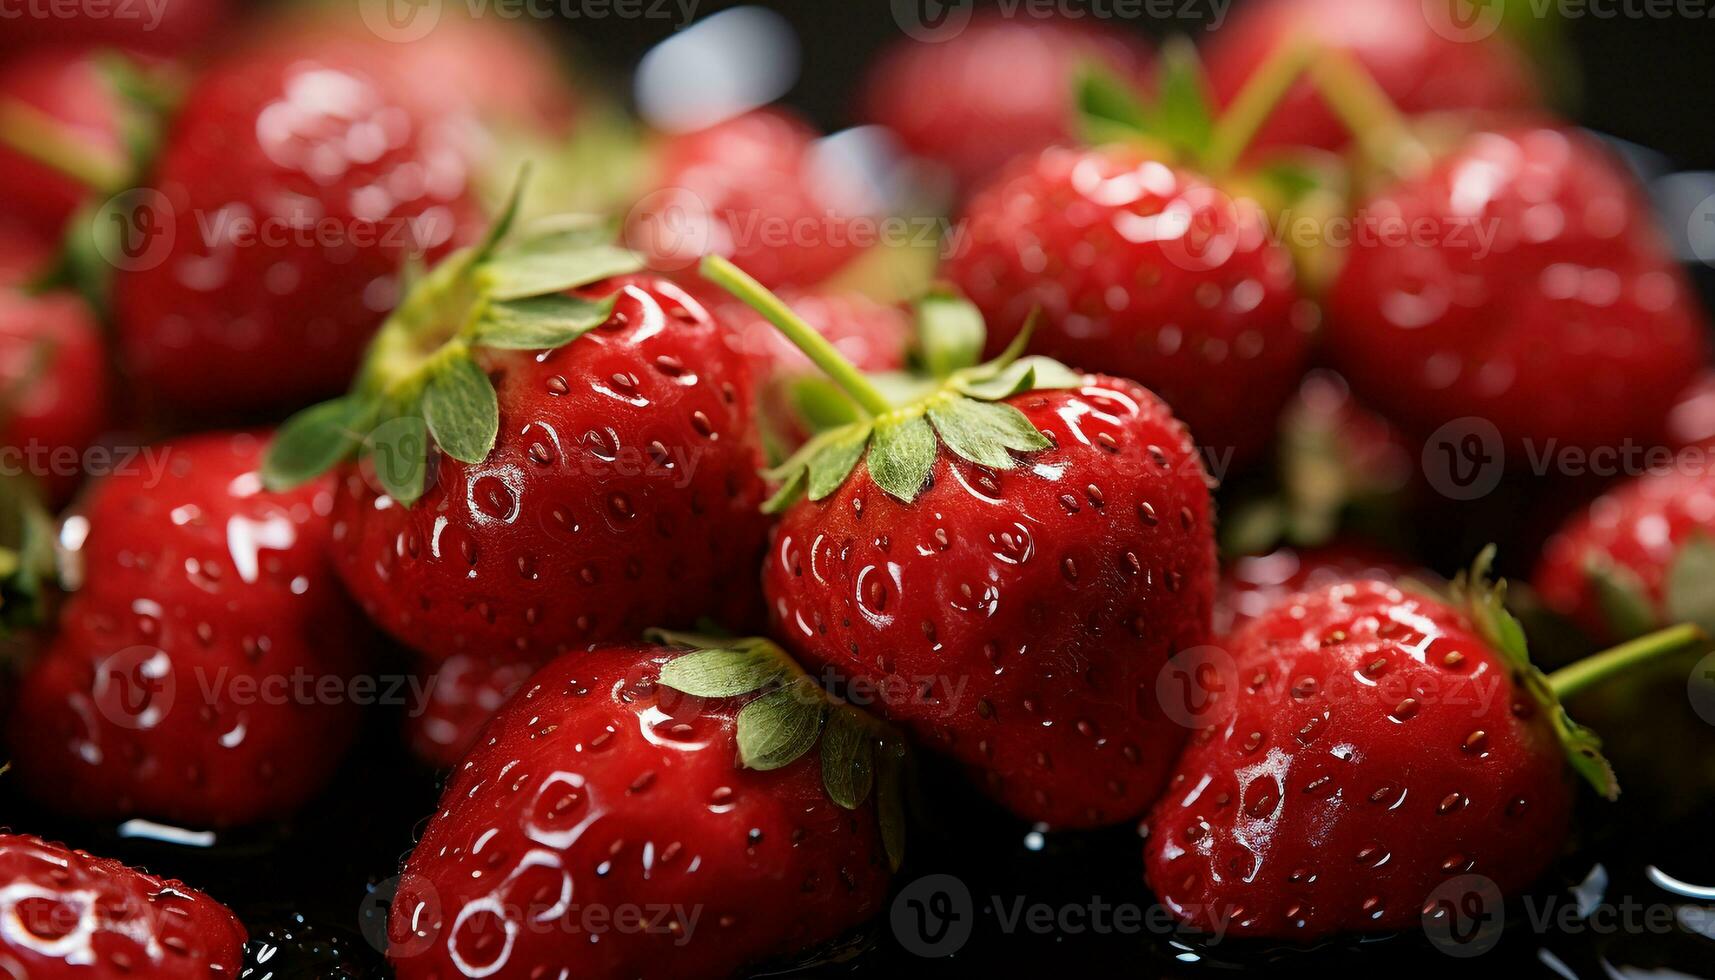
point(297, 177)
point(995, 91)
point(60, 87)
point(73, 916)
point(1010, 610)
point(1375, 744)
point(1692, 421)
point(53, 386)
point(186, 678)
point(463, 692)
point(599, 787)
point(1546, 305)
point(1639, 556)
point(748, 189)
point(595, 460)
point(1422, 68)
point(1254, 585)
point(165, 27)
point(1147, 272)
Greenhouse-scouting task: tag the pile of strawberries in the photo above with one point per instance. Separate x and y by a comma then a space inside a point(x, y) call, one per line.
point(330, 359)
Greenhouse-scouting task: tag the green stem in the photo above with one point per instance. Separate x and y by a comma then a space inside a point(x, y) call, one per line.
point(1578, 677)
point(805, 337)
point(1255, 103)
point(45, 140)
point(1366, 110)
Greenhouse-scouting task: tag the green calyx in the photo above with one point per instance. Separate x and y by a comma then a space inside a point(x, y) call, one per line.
point(1484, 601)
point(963, 409)
point(790, 715)
point(26, 556)
point(421, 379)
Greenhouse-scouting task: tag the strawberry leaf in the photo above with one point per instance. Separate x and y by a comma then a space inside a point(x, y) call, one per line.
point(1183, 117)
point(889, 803)
point(553, 267)
point(833, 461)
point(848, 757)
point(398, 451)
point(950, 333)
point(902, 455)
point(312, 441)
point(725, 672)
point(539, 322)
point(462, 411)
point(776, 729)
point(1621, 596)
point(1109, 108)
point(26, 555)
point(1690, 589)
point(986, 433)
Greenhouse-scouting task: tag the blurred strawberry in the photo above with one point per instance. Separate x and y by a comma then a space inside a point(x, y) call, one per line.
point(55, 99)
point(169, 27)
point(998, 90)
point(54, 399)
point(463, 692)
point(1255, 584)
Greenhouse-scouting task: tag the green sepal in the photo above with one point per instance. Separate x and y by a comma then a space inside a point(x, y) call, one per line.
point(1484, 602)
point(1109, 107)
point(539, 322)
point(950, 333)
point(1689, 592)
point(724, 672)
point(398, 453)
point(776, 729)
point(986, 433)
point(1181, 116)
point(1625, 604)
point(902, 455)
point(553, 266)
point(848, 759)
point(462, 411)
point(27, 570)
point(890, 764)
point(310, 442)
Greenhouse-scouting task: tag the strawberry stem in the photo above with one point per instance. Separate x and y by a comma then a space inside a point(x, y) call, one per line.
point(44, 139)
point(1367, 111)
point(805, 337)
point(1578, 677)
point(1255, 103)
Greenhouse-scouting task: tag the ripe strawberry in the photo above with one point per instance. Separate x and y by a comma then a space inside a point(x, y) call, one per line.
point(53, 386)
point(1420, 68)
point(73, 916)
point(186, 680)
point(1639, 556)
point(994, 92)
point(1692, 420)
point(748, 189)
point(463, 692)
point(61, 87)
point(300, 173)
point(1147, 272)
point(595, 461)
point(1254, 585)
point(602, 788)
point(1547, 304)
point(1376, 744)
point(1011, 612)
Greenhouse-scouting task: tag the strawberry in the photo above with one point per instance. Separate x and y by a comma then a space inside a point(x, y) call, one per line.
point(73, 916)
point(463, 692)
point(1375, 744)
point(1253, 585)
point(748, 189)
point(1422, 69)
point(1004, 610)
point(187, 678)
point(1638, 557)
point(299, 174)
point(607, 787)
point(62, 89)
point(168, 27)
point(1692, 420)
point(1546, 304)
point(53, 386)
point(594, 460)
point(998, 89)
point(1145, 268)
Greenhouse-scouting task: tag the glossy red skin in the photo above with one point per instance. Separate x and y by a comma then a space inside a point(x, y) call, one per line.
point(874, 337)
point(596, 786)
point(462, 693)
point(1210, 320)
point(1358, 817)
point(180, 27)
point(1001, 88)
point(1037, 615)
point(1692, 420)
point(1639, 526)
point(139, 927)
point(578, 550)
point(243, 317)
point(54, 373)
point(64, 84)
point(1582, 331)
point(205, 583)
point(745, 189)
point(1419, 69)
point(1255, 584)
